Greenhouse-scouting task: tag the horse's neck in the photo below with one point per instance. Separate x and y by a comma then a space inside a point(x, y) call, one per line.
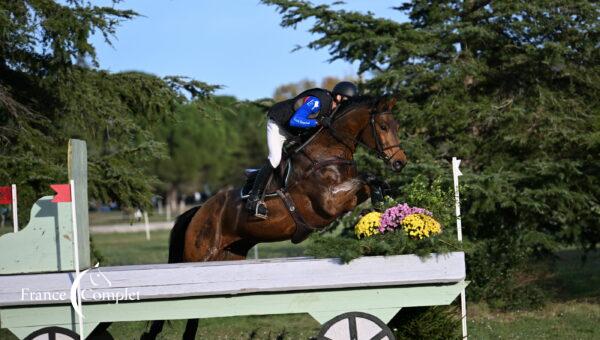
point(324, 148)
point(345, 133)
point(327, 146)
point(341, 144)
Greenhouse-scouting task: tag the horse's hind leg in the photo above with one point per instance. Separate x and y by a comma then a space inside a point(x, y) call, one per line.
point(191, 327)
point(155, 329)
point(100, 332)
point(237, 250)
point(204, 233)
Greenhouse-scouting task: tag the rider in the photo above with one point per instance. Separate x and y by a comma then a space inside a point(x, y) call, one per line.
point(291, 117)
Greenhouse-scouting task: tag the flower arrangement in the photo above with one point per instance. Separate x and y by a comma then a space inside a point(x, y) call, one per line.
point(368, 225)
point(392, 217)
point(400, 229)
point(420, 226)
point(417, 222)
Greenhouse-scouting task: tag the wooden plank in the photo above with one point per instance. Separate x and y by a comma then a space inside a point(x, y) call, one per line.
point(165, 281)
point(320, 304)
point(77, 165)
point(45, 244)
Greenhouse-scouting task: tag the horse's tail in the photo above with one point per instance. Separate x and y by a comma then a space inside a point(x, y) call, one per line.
point(177, 238)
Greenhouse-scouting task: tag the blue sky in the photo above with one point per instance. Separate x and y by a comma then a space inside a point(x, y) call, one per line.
point(235, 43)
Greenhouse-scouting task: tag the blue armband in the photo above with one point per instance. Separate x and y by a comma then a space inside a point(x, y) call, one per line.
point(300, 118)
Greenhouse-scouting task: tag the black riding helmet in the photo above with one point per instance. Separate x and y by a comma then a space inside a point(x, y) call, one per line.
point(345, 88)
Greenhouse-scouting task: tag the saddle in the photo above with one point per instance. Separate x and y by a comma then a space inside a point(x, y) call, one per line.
point(281, 175)
point(279, 180)
point(277, 186)
point(279, 183)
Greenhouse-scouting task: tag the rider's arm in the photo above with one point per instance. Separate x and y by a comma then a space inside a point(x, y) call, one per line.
point(300, 118)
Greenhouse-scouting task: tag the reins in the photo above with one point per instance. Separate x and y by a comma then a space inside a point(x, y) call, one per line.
point(303, 229)
point(343, 137)
point(379, 147)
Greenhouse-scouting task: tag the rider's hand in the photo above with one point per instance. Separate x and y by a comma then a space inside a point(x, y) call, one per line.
point(325, 121)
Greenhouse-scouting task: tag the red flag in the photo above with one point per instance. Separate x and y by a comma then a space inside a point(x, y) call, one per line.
point(6, 195)
point(63, 193)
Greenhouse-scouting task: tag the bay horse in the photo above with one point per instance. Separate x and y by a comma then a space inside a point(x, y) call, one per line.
point(323, 185)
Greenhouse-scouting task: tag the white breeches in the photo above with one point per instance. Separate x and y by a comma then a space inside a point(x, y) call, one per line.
point(276, 137)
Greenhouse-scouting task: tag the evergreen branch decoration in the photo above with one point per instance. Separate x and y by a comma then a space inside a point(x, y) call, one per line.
point(435, 196)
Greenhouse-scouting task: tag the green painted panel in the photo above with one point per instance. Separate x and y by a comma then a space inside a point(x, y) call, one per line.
point(43, 245)
point(46, 243)
point(23, 321)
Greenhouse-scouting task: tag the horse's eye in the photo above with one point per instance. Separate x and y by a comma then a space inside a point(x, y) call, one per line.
point(383, 127)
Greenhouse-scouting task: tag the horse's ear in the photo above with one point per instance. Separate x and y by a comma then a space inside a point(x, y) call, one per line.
point(386, 104)
point(391, 102)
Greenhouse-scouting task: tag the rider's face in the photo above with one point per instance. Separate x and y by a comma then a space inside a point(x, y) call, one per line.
point(338, 99)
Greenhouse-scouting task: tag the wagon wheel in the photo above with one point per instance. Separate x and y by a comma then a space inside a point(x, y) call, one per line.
point(53, 333)
point(355, 326)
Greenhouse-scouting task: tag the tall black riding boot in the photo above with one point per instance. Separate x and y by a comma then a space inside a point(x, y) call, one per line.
point(254, 204)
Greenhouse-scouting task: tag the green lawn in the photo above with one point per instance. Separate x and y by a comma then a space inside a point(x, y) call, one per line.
point(132, 248)
point(573, 313)
point(120, 217)
point(565, 320)
point(6, 230)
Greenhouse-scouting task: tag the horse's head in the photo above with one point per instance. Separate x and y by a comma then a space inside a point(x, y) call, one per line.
point(374, 126)
point(381, 134)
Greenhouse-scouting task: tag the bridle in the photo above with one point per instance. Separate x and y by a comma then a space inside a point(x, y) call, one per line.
point(380, 148)
point(342, 137)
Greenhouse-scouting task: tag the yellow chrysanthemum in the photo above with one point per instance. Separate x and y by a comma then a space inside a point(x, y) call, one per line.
point(420, 226)
point(368, 225)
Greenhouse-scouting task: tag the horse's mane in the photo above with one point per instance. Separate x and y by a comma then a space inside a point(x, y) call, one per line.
point(355, 102)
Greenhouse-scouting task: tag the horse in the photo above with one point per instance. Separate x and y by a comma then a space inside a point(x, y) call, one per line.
point(322, 185)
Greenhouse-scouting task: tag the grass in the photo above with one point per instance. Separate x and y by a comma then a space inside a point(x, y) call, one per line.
point(291, 326)
point(572, 313)
point(120, 217)
point(6, 230)
point(563, 320)
point(132, 248)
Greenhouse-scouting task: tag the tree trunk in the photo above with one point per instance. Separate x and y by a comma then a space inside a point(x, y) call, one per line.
point(172, 201)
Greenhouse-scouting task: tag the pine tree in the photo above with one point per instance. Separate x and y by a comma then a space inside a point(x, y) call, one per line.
point(511, 87)
point(209, 145)
point(51, 90)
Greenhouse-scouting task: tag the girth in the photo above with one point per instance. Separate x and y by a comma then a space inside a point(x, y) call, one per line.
point(303, 229)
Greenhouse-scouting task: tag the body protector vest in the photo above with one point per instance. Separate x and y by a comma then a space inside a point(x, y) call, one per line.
point(283, 111)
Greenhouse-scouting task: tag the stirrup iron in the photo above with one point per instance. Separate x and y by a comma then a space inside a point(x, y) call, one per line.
point(257, 213)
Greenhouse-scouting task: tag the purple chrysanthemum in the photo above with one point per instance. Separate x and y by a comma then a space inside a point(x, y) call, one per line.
point(393, 216)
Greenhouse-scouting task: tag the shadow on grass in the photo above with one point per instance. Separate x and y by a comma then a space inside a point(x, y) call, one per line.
point(574, 278)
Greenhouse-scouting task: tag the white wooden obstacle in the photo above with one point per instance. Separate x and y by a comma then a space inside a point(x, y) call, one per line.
point(164, 281)
point(37, 296)
point(323, 288)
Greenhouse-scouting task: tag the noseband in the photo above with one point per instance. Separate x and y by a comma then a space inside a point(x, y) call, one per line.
point(380, 148)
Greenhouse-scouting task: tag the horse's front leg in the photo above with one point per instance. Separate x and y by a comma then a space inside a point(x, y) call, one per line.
point(378, 187)
point(342, 197)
